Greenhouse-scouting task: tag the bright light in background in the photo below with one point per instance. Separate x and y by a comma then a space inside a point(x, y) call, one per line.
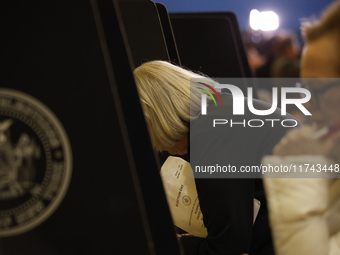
point(265, 21)
point(255, 19)
point(270, 21)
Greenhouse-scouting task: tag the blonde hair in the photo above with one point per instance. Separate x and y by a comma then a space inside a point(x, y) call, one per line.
point(168, 100)
point(328, 23)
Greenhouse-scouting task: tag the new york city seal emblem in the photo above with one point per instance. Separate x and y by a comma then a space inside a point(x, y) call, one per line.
point(35, 162)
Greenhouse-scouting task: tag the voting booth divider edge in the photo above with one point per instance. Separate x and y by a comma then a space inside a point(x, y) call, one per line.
point(160, 232)
point(75, 97)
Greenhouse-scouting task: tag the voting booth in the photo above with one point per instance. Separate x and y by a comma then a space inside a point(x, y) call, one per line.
point(211, 43)
point(78, 174)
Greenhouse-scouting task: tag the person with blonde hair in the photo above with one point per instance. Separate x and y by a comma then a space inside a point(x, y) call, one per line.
point(171, 101)
point(305, 212)
point(166, 96)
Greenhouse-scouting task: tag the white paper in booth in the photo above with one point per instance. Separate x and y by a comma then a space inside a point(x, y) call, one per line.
point(180, 190)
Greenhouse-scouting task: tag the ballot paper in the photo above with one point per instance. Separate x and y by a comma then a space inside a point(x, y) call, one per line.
point(180, 190)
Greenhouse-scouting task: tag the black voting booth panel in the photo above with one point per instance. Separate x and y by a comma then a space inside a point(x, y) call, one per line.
point(68, 95)
point(149, 32)
point(168, 34)
point(211, 43)
point(144, 31)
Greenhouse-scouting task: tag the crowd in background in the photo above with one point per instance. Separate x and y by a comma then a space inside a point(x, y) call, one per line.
point(275, 56)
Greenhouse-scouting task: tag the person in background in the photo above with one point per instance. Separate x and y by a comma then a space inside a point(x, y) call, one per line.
point(268, 49)
point(286, 63)
point(305, 212)
point(255, 59)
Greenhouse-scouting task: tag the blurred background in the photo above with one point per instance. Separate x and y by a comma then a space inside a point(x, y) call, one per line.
point(289, 11)
point(270, 32)
point(270, 29)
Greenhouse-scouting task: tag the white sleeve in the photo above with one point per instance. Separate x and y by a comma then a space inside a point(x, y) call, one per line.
point(334, 246)
point(297, 209)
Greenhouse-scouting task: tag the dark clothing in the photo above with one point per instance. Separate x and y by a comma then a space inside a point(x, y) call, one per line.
point(283, 67)
point(226, 203)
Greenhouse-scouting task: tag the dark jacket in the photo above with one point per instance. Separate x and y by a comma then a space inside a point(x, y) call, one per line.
point(226, 199)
